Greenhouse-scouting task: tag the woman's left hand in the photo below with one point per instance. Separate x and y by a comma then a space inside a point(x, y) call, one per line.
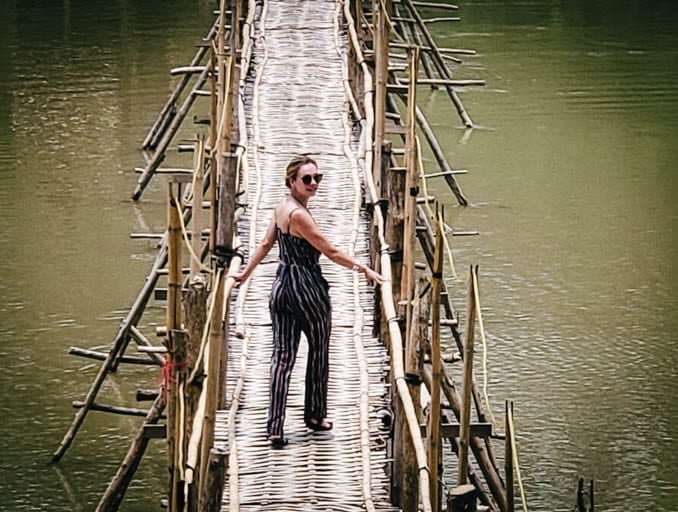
point(373, 276)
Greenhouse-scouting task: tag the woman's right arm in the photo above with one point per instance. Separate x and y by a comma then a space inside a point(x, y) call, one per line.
point(259, 254)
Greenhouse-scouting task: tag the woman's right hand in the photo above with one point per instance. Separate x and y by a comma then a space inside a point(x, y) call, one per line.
point(239, 278)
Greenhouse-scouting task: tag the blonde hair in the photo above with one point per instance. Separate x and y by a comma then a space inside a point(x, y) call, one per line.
point(294, 165)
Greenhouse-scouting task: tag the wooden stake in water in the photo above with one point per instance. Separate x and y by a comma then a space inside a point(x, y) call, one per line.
point(436, 364)
point(464, 429)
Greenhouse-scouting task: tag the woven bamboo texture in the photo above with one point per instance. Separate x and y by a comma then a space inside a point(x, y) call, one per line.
point(295, 103)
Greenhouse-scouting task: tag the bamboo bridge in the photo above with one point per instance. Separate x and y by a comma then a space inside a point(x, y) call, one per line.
point(337, 80)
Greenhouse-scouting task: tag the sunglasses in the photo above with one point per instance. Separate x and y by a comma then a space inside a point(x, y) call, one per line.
point(306, 180)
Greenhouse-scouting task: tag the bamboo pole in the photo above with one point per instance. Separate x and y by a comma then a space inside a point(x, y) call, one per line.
point(214, 486)
point(440, 64)
point(173, 318)
point(395, 221)
point(164, 143)
point(115, 492)
point(508, 460)
point(438, 153)
point(194, 302)
point(381, 40)
point(212, 367)
point(176, 351)
point(175, 381)
point(165, 115)
point(405, 461)
point(434, 420)
point(464, 433)
point(197, 190)
point(411, 190)
point(212, 154)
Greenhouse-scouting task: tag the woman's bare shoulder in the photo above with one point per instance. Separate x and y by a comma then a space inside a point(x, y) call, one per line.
point(285, 210)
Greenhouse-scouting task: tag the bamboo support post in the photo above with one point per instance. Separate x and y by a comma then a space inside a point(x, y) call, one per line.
point(164, 143)
point(166, 113)
point(176, 354)
point(416, 41)
point(175, 381)
point(214, 486)
point(173, 319)
point(112, 497)
point(213, 366)
point(395, 221)
point(468, 379)
point(411, 190)
point(405, 462)
point(440, 64)
point(508, 460)
point(197, 191)
point(212, 155)
point(381, 40)
point(194, 301)
point(436, 363)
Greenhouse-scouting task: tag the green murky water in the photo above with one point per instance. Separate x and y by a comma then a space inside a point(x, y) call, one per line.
point(572, 186)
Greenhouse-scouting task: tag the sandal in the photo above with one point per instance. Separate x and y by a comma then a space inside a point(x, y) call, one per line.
point(318, 425)
point(277, 442)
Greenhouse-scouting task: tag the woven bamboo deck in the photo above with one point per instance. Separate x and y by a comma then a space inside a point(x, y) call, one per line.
point(295, 103)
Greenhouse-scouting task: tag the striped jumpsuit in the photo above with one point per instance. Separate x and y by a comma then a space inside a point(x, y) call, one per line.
point(299, 302)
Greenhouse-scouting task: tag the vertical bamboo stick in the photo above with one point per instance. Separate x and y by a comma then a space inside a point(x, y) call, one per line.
point(116, 489)
point(464, 429)
point(434, 422)
point(405, 460)
point(382, 36)
point(214, 487)
point(440, 64)
point(173, 319)
point(214, 121)
point(212, 364)
point(194, 302)
point(176, 440)
point(411, 189)
point(173, 259)
point(508, 460)
point(196, 217)
point(395, 221)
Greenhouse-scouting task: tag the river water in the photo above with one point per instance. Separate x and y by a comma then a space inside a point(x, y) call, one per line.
point(572, 189)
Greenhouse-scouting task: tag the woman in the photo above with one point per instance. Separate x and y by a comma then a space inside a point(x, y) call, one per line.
point(299, 301)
